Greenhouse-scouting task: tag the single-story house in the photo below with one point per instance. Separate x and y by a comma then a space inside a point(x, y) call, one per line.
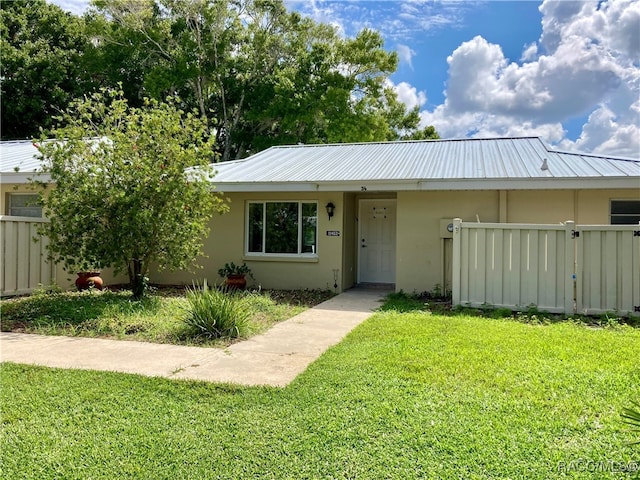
point(334, 216)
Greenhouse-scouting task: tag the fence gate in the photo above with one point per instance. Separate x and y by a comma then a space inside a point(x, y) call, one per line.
point(608, 269)
point(558, 268)
point(24, 263)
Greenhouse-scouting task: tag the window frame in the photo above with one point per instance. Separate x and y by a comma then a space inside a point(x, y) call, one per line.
point(10, 206)
point(299, 240)
point(623, 215)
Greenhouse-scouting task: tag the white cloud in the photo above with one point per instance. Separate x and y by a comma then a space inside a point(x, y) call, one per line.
point(530, 52)
point(485, 124)
point(605, 134)
point(408, 94)
point(397, 21)
point(77, 7)
point(406, 54)
point(589, 65)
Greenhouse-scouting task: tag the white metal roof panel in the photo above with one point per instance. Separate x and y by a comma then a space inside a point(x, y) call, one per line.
point(442, 164)
point(18, 162)
point(18, 155)
point(504, 159)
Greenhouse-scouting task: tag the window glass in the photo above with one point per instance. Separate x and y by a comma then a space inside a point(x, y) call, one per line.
point(309, 227)
point(256, 227)
point(625, 212)
point(281, 235)
point(282, 228)
point(24, 205)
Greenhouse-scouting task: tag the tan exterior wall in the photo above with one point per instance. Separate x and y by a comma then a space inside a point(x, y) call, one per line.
point(420, 246)
point(542, 206)
point(349, 241)
point(226, 244)
point(420, 257)
point(593, 205)
point(588, 207)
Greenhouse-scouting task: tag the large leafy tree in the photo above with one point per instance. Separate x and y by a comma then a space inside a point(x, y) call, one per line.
point(260, 74)
point(42, 64)
point(131, 186)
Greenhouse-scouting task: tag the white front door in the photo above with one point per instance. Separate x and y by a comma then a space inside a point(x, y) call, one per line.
point(377, 241)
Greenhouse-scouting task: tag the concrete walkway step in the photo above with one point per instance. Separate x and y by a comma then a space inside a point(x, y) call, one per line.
point(273, 358)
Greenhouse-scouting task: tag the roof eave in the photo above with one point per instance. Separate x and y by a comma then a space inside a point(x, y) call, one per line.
point(583, 183)
point(23, 177)
point(434, 184)
point(263, 187)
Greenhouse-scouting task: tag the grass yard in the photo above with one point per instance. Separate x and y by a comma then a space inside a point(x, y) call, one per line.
point(158, 318)
point(406, 395)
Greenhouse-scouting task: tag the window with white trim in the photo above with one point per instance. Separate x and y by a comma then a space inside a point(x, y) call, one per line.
point(625, 212)
point(282, 228)
point(24, 205)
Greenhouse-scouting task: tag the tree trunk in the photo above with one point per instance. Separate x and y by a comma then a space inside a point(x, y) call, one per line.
point(136, 278)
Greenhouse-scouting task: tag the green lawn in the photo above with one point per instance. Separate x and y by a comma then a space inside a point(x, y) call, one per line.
point(405, 396)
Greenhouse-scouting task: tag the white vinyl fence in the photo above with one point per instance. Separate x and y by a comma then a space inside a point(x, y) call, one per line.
point(23, 261)
point(558, 268)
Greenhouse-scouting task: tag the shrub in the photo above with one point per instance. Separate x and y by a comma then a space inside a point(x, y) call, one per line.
point(216, 313)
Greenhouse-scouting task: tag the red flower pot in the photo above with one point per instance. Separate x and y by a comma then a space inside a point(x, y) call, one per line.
point(236, 282)
point(87, 280)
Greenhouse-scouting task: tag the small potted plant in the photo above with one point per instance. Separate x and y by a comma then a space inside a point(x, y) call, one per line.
point(235, 275)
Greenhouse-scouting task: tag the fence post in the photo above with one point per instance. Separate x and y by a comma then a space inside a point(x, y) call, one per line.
point(455, 277)
point(570, 285)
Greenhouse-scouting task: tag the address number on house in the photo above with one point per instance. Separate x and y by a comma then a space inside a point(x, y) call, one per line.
point(333, 233)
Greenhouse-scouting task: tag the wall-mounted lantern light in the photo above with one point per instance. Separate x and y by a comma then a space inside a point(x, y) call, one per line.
point(330, 209)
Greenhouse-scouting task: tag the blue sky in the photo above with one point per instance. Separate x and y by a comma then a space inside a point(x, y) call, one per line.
point(566, 71)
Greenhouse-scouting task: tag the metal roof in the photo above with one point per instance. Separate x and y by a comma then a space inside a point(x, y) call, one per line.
point(509, 163)
point(18, 154)
point(423, 165)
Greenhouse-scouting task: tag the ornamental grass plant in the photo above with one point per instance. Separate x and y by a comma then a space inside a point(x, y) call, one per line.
point(216, 313)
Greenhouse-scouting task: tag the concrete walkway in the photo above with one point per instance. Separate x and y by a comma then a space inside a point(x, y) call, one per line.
point(274, 358)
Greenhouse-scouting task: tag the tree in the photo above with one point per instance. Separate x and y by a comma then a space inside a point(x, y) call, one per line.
point(41, 70)
point(260, 74)
point(131, 186)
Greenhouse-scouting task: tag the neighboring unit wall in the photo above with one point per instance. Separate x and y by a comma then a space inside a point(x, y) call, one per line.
point(19, 263)
point(593, 206)
point(420, 253)
point(587, 207)
point(8, 189)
